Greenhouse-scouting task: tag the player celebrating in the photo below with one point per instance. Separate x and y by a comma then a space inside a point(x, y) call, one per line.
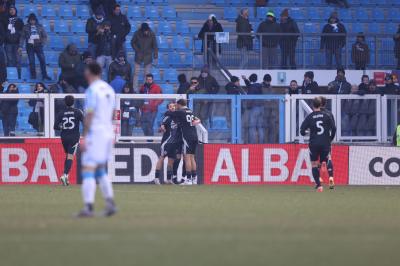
point(68, 122)
point(329, 164)
point(322, 131)
point(98, 138)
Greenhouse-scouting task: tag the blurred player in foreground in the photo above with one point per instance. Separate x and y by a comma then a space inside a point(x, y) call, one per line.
point(68, 122)
point(329, 164)
point(98, 138)
point(322, 132)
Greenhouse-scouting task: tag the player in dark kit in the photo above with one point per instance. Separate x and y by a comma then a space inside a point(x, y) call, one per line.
point(68, 122)
point(322, 132)
point(186, 121)
point(329, 164)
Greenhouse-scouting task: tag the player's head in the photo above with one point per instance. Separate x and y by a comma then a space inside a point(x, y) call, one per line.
point(317, 103)
point(323, 101)
point(69, 100)
point(181, 103)
point(171, 107)
point(92, 72)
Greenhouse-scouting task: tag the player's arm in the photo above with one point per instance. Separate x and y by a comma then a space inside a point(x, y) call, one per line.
point(333, 128)
point(90, 105)
point(57, 122)
point(304, 126)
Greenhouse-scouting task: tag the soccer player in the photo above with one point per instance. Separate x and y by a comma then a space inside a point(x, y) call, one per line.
point(186, 121)
point(322, 132)
point(97, 144)
point(68, 122)
point(329, 164)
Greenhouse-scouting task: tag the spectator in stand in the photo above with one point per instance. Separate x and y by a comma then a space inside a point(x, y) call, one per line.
point(5, 6)
point(360, 52)
point(266, 84)
point(9, 111)
point(269, 42)
point(372, 88)
point(184, 85)
point(309, 85)
point(106, 5)
point(244, 42)
point(93, 26)
point(396, 39)
point(293, 88)
point(333, 39)
point(354, 90)
point(12, 41)
point(62, 86)
point(150, 107)
point(390, 87)
point(80, 69)
point(363, 86)
point(68, 61)
point(210, 26)
point(36, 118)
point(145, 45)
point(120, 67)
point(118, 84)
point(207, 82)
point(130, 114)
point(3, 71)
point(34, 36)
point(233, 87)
point(339, 3)
point(288, 43)
point(120, 28)
point(104, 46)
point(340, 84)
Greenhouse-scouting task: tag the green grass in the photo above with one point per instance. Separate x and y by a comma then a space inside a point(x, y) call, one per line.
point(206, 225)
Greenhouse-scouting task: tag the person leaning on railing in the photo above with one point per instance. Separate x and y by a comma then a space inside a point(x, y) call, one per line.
point(309, 86)
point(9, 111)
point(233, 87)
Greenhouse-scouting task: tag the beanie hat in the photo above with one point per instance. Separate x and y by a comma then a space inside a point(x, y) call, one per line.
point(270, 14)
point(99, 11)
point(145, 27)
point(285, 13)
point(234, 79)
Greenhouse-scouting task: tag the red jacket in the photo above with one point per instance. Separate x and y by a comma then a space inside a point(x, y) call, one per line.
point(151, 105)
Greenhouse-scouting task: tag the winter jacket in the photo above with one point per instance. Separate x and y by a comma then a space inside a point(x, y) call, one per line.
point(26, 34)
point(363, 89)
point(14, 30)
point(9, 106)
point(120, 27)
point(105, 44)
point(116, 69)
point(243, 26)
point(91, 28)
point(209, 84)
point(267, 26)
point(389, 89)
point(396, 39)
point(183, 88)
point(337, 37)
point(310, 88)
point(360, 53)
point(339, 86)
point(145, 47)
point(290, 26)
point(150, 105)
point(68, 63)
point(231, 88)
point(217, 27)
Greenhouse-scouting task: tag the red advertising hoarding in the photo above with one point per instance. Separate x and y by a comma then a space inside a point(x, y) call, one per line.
point(267, 164)
point(33, 161)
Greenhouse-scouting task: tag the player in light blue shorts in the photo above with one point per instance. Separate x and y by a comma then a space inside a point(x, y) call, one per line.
point(97, 144)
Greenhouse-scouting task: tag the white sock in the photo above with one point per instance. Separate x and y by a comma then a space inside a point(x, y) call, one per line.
point(106, 187)
point(88, 190)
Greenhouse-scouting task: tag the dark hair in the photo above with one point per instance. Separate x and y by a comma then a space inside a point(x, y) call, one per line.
point(127, 85)
point(149, 76)
point(295, 81)
point(267, 77)
point(234, 79)
point(94, 68)
point(69, 100)
point(317, 102)
point(389, 77)
point(116, 5)
point(41, 84)
point(364, 76)
point(253, 77)
point(169, 104)
point(194, 78)
point(323, 101)
point(182, 102)
point(309, 74)
point(182, 78)
point(341, 69)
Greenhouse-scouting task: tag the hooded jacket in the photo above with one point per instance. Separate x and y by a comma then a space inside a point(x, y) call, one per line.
point(243, 26)
point(290, 26)
point(14, 29)
point(360, 52)
point(310, 88)
point(68, 63)
point(116, 69)
point(208, 84)
point(145, 47)
point(91, 27)
point(120, 27)
point(217, 27)
point(105, 44)
point(26, 33)
point(336, 37)
point(268, 26)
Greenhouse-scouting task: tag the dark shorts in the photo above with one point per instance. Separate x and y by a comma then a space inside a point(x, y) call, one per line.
point(70, 145)
point(170, 150)
point(319, 152)
point(189, 147)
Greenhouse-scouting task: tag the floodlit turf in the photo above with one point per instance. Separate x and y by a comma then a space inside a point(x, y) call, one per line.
point(218, 225)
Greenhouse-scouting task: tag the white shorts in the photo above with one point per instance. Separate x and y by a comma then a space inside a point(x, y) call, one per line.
point(98, 149)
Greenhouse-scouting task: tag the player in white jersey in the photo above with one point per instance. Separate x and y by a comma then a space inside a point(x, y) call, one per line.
point(98, 138)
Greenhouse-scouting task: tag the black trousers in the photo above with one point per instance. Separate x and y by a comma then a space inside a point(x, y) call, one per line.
point(9, 122)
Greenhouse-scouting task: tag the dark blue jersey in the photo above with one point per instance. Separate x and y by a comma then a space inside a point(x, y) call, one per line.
point(184, 119)
point(172, 133)
point(322, 128)
point(68, 122)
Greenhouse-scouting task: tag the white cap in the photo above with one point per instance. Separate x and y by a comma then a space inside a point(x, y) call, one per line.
point(211, 16)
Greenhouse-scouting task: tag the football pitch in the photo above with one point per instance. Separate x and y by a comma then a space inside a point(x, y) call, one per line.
point(202, 225)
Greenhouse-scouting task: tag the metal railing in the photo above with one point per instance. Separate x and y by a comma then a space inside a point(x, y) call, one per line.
point(302, 50)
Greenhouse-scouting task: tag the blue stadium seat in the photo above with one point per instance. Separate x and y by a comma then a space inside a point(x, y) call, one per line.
point(46, 25)
point(357, 27)
point(134, 12)
point(52, 57)
point(311, 27)
point(261, 12)
point(168, 89)
point(161, 60)
point(174, 59)
point(12, 73)
point(361, 14)
point(170, 75)
point(75, 39)
point(24, 88)
point(48, 11)
point(28, 9)
point(230, 13)
point(182, 28)
point(25, 75)
point(393, 14)
point(188, 60)
point(61, 26)
point(168, 12)
point(156, 74)
point(178, 43)
point(65, 11)
point(296, 13)
point(151, 12)
point(164, 27)
point(78, 26)
point(56, 42)
point(377, 14)
point(162, 42)
point(83, 11)
point(345, 14)
point(390, 28)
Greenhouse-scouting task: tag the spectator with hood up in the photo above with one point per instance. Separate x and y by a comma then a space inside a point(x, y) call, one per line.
point(184, 85)
point(120, 67)
point(207, 82)
point(340, 84)
point(120, 28)
point(360, 52)
point(12, 41)
point(269, 42)
point(68, 61)
point(93, 26)
point(396, 39)
point(309, 85)
point(210, 26)
point(333, 40)
point(34, 37)
point(80, 69)
point(288, 43)
point(145, 45)
point(233, 87)
point(244, 42)
point(9, 110)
